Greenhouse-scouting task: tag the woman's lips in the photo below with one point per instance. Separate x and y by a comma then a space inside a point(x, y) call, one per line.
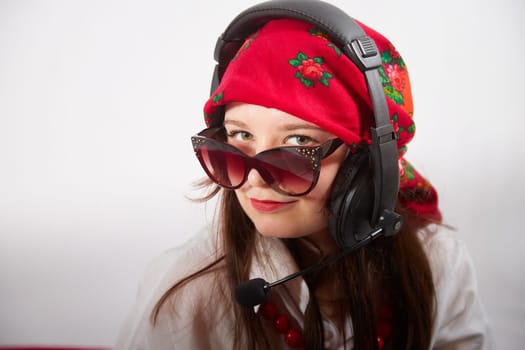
point(268, 206)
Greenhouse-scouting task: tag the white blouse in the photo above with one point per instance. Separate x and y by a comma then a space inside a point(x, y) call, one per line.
point(198, 316)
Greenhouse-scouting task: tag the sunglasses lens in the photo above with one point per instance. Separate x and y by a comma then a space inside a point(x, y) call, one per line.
point(224, 166)
point(292, 173)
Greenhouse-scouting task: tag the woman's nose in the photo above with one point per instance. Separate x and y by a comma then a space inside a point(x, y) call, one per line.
point(255, 179)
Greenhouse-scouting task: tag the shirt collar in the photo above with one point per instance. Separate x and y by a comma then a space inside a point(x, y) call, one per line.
point(273, 262)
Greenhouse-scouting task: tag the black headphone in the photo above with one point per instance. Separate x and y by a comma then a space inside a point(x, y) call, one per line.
point(365, 189)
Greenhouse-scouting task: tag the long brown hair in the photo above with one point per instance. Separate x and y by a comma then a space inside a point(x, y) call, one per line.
point(391, 271)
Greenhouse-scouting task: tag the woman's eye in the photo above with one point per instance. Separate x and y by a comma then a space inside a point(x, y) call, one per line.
point(240, 135)
point(300, 140)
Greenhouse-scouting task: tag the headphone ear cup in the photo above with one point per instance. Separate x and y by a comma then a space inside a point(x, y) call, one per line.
point(351, 201)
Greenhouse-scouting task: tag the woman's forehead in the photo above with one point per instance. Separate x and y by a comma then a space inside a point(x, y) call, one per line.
point(251, 115)
point(239, 112)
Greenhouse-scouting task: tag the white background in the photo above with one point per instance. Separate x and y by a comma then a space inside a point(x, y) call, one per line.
point(98, 100)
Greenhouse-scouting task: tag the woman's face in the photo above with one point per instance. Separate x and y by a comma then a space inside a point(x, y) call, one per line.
point(253, 129)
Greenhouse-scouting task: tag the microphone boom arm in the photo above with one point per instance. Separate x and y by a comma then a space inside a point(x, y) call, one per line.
point(326, 261)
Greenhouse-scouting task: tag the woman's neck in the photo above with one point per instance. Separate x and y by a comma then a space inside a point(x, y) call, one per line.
point(315, 247)
point(328, 290)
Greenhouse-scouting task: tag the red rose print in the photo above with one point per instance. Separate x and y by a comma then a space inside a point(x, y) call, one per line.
point(397, 79)
point(311, 70)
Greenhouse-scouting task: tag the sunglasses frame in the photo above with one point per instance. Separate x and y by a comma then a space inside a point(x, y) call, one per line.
point(217, 136)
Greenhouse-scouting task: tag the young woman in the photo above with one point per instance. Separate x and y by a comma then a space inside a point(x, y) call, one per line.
point(290, 94)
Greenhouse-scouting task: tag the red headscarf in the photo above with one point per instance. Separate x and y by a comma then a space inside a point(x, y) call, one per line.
point(292, 66)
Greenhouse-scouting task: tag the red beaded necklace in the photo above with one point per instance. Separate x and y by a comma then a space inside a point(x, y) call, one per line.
point(294, 337)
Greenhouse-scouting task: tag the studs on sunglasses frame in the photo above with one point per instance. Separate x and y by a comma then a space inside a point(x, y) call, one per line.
point(309, 153)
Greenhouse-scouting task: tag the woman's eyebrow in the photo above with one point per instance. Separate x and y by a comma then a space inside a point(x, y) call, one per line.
point(284, 127)
point(235, 122)
point(291, 127)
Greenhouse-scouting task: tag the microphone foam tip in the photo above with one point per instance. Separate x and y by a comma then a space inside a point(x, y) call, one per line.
point(251, 293)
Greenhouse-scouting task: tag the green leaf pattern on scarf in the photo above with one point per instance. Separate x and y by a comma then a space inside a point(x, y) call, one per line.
point(389, 73)
point(320, 34)
point(218, 97)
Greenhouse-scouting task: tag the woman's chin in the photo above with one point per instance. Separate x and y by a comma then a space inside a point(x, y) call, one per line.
point(277, 231)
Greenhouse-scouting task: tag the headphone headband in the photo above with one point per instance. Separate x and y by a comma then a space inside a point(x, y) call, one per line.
point(340, 27)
